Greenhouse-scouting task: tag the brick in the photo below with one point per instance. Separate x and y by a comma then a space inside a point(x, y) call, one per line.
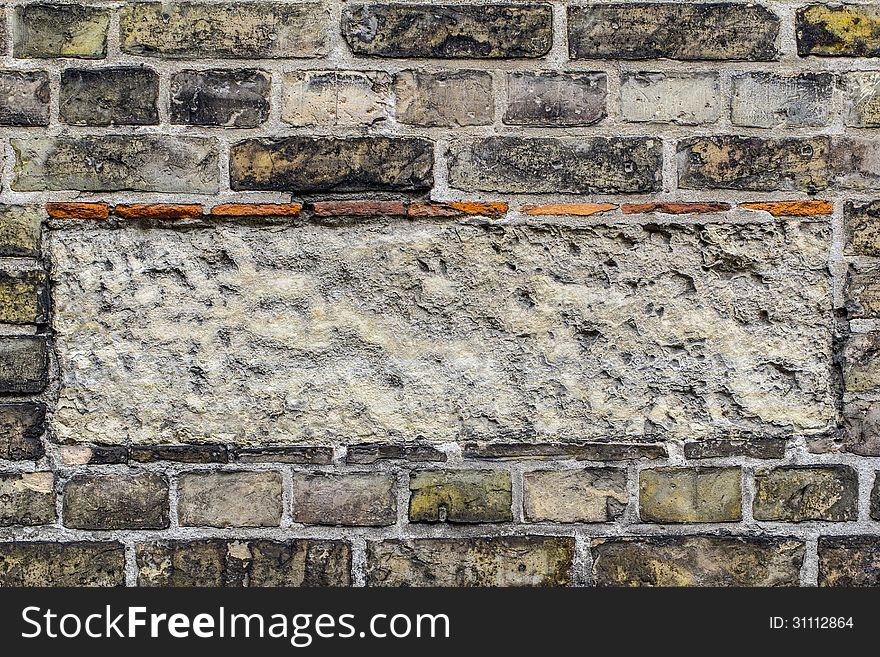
point(109, 96)
point(861, 93)
point(336, 98)
point(20, 231)
point(849, 561)
point(78, 210)
point(589, 165)
point(555, 99)
point(21, 427)
point(449, 31)
point(355, 499)
point(116, 501)
point(24, 363)
point(863, 291)
point(294, 454)
point(861, 362)
point(229, 499)
point(697, 561)
point(180, 454)
point(147, 211)
point(575, 451)
point(573, 209)
point(754, 163)
point(753, 448)
point(854, 162)
point(590, 495)
point(686, 31)
point(450, 99)
point(24, 296)
point(359, 209)
point(682, 98)
point(862, 228)
point(677, 494)
point(222, 98)
point(491, 209)
point(228, 30)
point(357, 164)
point(791, 208)
point(469, 562)
point(257, 210)
point(838, 31)
point(796, 494)
point(861, 428)
point(244, 563)
point(62, 564)
point(768, 100)
point(24, 98)
point(94, 454)
point(150, 163)
point(55, 30)
point(875, 498)
point(27, 498)
point(369, 453)
point(675, 208)
point(464, 496)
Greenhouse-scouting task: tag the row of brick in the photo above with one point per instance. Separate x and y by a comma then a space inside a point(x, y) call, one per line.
point(255, 30)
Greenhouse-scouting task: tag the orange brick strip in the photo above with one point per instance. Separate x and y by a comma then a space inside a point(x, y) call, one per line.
point(457, 209)
point(257, 210)
point(791, 208)
point(158, 211)
point(78, 210)
point(359, 209)
point(674, 208)
point(575, 209)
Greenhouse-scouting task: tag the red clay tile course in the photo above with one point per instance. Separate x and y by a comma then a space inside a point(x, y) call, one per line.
point(257, 210)
point(674, 208)
point(575, 209)
point(78, 210)
point(791, 208)
point(359, 209)
point(158, 211)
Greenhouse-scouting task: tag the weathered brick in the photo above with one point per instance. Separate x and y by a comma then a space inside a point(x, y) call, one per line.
point(180, 454)
point(20, 230)
point(326, 209)
point(861, 93)
point(696, 207)
point(116, 162)
point(861, 428)
point(576, 451)
point(56, 30)
point(690, 495)
point(109, 96)
point(862, 228)
point(863, 291)
point(839, 31)
point(555, 99)
point(697, 561)
point(855, 162)
point(754, 448)
point(220, 97)
point(672, 30)
point(292, 454)
point(589, 165)
point(791, 208)
point(437, 209)
point(229, 499)
point(302, 562)
point(355, 499)
point(336, 98)
point(590, 495)
point(460, 496)
point(27, 498)
point(569, 209)
point(683, 98)
point(62, 564)
point(266, 210)
point(449, 31)
point(468, 562)
point(93, 454)
point(24, 98)
point(448, 99)
point(24, 296)
point(754, 163)
point(24, 364)
point(21, 427)
point(861, 362)
point(769, 100)
point(875, 497)
point(116, 501)
point(158, 211)
point(305, 164)
point(368, 453)
point(232, 30)
point(849, 561)
point(799, 493)
point(76, 210)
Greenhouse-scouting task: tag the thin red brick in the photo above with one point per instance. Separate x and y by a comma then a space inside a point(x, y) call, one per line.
point(574, 209)
point(675, 208)
point(158, 211)
point(359, 209)
point(257, 210)
point(791, 208)
point(457, 208)
point(78, 210)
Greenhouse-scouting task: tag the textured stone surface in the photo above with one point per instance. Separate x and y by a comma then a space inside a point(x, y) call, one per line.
point(367, 453)
point(229, 499)
point(756, 448)
point(24, 296)
point(862, 99)
point(849, 561)
point(236, 30)
point(21, 426)
point(116, 501)
point(690, 495)
point(107, 163)
point(24, 98)
point(697, 561)
point(862, 228)
point(855, 162)
point(20, 230)
point(24, 363)
point(449, 99)
point(467, 562)
point(576, 451)
point(344, 499)
point(589, 165)
point(180, 454)
point(875, 498)
point(861, 362)
point(591, 495)
point(62, 564)
point(799, 493)
point(839, 31)
point(754, 163)
point(768, 100)
point(336, 98)
point(377, 331)
point(861, 428)
point(106, 96)
point(446, 31)
point(304, 164)
point(225, 98)
point(673, 30)
point(27, 498)
point(685, 98)
point(56, 30)
point(305, 562)
point(863, 291)
point(556, 99)
point(460, 496)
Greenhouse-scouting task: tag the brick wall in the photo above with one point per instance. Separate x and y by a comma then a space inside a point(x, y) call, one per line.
point(339, 293)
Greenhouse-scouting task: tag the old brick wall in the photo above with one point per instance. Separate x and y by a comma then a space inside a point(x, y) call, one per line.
point(527, 293)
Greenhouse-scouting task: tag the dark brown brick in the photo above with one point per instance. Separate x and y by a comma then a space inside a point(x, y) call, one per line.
point(62, 564)
point(24, 98)
point(351, 499)
point(849, 561)
point(800, 493)
point(21, 427)
point(109, 96)
point(460, 496)
point(24, 363)
point(116, 501)
point(27, 498)
point(223, 98)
